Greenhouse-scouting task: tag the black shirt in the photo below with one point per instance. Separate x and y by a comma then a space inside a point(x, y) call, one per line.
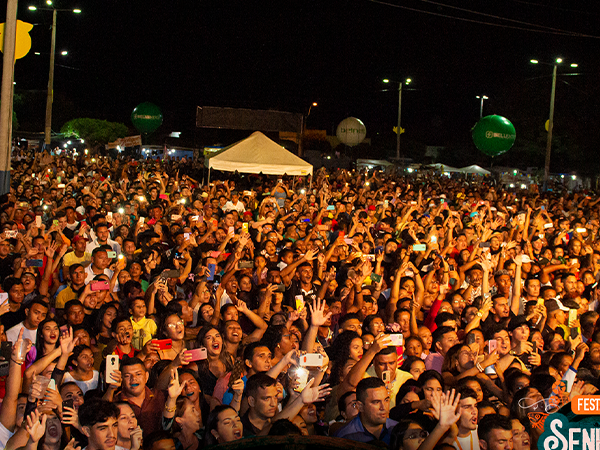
point(10, 319)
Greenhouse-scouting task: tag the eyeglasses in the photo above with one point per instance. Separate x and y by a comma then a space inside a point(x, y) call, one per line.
point(174, 325)
point(416, 434)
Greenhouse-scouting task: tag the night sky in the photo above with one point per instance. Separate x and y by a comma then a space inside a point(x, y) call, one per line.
point(287, 54)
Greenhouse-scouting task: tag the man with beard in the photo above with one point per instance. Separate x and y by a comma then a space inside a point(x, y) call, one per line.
point(146, 404)
point(557, 318)
point(467, 424)
point(500, 314)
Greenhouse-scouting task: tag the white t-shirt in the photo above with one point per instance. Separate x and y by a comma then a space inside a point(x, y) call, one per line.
point(85, 385)
point(89, 274)
point(470, 442)
point(5, 435)
point(13, 334)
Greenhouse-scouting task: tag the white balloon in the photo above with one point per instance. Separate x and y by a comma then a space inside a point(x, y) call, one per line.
point(351, 131)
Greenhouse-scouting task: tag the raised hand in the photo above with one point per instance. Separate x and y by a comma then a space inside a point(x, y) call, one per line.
point(136, 438)
point(318, 318)
point(312, 394)
point(449, 410)
point(175, 388)
point(35, 427)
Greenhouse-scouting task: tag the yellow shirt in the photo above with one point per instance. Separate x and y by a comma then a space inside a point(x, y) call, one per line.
point(64, 296)
point(401, 378)
point(70, 258)
point(147, 328)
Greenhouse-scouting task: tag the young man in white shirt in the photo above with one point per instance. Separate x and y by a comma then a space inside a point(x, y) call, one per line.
point(467, 424)
point(35, 314)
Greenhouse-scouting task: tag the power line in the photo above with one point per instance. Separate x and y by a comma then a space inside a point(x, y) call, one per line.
point(497, 17)
point(578, 11)
point(380, 2)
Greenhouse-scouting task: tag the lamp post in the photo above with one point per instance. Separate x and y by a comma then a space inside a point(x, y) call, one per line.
point(555, 65)
point(482, 97)
point(400, 84)
point(50, 94)
point(302, 126)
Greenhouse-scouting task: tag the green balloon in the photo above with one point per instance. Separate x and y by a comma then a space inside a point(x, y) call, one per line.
point(146, 117)
point(493, 135)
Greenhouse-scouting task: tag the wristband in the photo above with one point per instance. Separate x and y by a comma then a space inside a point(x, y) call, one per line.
point(478, 365)
point(170, 410)
point(17, 363)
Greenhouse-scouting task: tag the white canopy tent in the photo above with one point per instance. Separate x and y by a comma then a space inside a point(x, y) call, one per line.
point(443, 168)
point(257, 153)
point(474, 169)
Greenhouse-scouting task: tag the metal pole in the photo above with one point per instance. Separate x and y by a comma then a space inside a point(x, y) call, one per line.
point(50, 97)
point(481, 108)
point(550, 126)
point(6, 108)
point(399, 116)
point(300, 149)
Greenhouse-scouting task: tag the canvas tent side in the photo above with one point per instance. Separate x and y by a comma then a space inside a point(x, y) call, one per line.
point(474, 169)
point(257, 153)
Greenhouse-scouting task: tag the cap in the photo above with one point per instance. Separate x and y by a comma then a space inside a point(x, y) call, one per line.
point(79, 238)
point(371, 208)
point(554, 304)
point(516, 322)
point(536, 237)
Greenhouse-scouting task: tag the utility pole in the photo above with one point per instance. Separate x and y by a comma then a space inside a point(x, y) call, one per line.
point(6, 108)
point(399, 116)
point(50, 94)
point(550, 126)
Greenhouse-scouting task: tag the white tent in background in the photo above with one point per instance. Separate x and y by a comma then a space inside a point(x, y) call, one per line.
point(257, 153)
point(443, 168)
point(474, 169)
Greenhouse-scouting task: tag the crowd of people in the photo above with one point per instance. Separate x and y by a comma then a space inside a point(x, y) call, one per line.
point(142, 308)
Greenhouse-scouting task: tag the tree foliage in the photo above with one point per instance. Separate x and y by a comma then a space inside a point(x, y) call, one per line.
point(96, 132)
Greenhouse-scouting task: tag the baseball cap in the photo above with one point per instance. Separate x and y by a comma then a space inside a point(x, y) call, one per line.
point(553, 304)
point(79, 238)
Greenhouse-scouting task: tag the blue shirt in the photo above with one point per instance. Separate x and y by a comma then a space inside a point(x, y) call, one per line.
point(355, 431)
point(228, 395)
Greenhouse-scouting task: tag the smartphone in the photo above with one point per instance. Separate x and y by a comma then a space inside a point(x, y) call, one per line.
point(386, 376)
point(280, 288)
point(111, 255)
point(375, 278)
point(370, 257)
point(11, 234)
point(581, 230)
point(163, 344)
point(311, 360)
point(55, 222)
point(301, 376)
point(548, 225)
point(397, 339)
point(3, 298)
point(572, 315)
point(175, 217)
point(6, 350)
point(245, 227)
point(212, 268)
point(246, 264)
point(330, 207)
point(163, 197)
point(112, 364)
point(419, 247)
point(34, 263)
point(141, 221)
point(69, 403)
point(306, 220)
point(231, 230)
point(434, 239)
point(23, 205)
point(492, 345)
point(413, 203)
point(197, 354)
point(386, 203)
point(299, 302)
point(38, 221)
point(100, 286)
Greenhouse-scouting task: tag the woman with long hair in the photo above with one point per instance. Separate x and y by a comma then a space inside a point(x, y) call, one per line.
point(82, 373)
point(218, 362)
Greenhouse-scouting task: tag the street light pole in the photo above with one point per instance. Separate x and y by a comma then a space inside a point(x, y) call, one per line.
point(6, 108)
point(482, 97)
point(399, 117)
point(50, 94)
point(550, 126)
